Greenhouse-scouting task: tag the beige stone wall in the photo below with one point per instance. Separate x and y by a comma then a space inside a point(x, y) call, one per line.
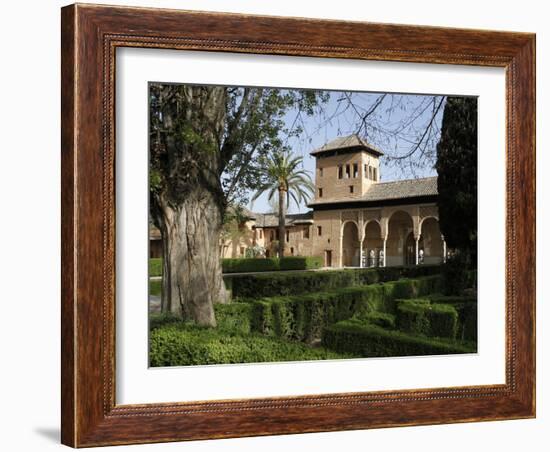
point(349, 235)
point(334, 188)
point(236, 247)
point(329, 239)
point(300, 240)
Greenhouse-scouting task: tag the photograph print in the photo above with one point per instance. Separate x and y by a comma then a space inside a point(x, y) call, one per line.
point(297, 224)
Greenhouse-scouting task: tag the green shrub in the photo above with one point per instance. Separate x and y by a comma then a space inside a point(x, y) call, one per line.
point(382, 319)
point(250, 265)
point(163, 319)
point(367, 340)
point(303, 317)
point(293, 283)
point(185, 345)
point(244, 265)
point(419, 316)
point(300, 262)
point(155, 266)
point(467, 314)
point(233, 317)
point(412, 317)
point(155, 287)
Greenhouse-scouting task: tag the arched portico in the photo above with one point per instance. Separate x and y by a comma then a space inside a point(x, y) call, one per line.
point(433, 246)
point(351, 245)
point(373, 245)
point(400, 227)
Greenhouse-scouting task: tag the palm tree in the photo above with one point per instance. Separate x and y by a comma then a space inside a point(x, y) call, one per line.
point(282, 176)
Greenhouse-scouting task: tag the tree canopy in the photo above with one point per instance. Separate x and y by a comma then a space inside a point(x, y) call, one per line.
point(457, 174)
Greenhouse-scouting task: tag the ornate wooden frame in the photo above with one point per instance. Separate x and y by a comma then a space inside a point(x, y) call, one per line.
point(90, 35)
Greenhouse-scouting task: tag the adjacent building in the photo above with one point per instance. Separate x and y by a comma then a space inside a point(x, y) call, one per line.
point(355, 220)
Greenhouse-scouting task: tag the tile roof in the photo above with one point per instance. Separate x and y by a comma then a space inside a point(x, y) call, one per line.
point(400, 189)
point(350, 141)
point(408, 188)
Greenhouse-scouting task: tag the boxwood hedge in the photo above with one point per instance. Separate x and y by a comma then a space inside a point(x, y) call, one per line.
point(184, 345)
point(419, 316)
point(368, 340)
point(250, 265)
point(467, 314)
point(303, 317)
point(294, 283)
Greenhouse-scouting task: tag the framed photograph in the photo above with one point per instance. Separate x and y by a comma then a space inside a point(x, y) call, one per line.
point(281, 225)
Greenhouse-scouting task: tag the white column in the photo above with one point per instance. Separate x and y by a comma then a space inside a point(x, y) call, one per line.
point(416, 250)
point(384, 250)
point(444, 249)
point(361, 253)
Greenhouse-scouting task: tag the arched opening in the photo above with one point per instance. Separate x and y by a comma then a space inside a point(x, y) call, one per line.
point(400, 226)
point(373, 245)
point(409, 252)
point(350, 245)
point(431, 251)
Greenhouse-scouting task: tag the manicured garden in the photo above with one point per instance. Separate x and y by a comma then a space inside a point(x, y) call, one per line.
point(327, 314)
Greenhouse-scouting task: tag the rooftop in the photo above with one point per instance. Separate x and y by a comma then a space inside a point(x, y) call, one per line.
point(400, 189)
point(349, 143)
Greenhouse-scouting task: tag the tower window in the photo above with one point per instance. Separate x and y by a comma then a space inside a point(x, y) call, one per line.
point(355, 170)
point(321, 172)
point(351, 188)
point(305, 232)
point(319, 231)
point(374, 174)
point(320, 193)
point(365, 170)
point(287, 235)
point(347, 171)
point(340, 172)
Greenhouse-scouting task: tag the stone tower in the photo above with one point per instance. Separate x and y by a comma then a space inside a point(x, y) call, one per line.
point(345, 168)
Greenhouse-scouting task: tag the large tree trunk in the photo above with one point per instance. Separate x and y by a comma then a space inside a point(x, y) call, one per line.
point(282, 218)
point(189, 203)
point(192, 276)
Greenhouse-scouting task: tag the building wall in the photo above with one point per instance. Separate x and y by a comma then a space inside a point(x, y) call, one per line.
point(236, 245)
point(326, 239)
point(336, 188)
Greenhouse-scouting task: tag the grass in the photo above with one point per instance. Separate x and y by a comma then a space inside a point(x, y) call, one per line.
point(155, 266)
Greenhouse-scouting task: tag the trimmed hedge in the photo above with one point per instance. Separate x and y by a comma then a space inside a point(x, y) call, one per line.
point(155, 287)
point(367, 340)
point(155, 266)
point(303, 317)
point(295, 283)
point(245, 265)
point(419, 316)
point(300, 262)
point(467, 314)
point(260, 264)
point(184, 345)
point(233, 317)
point(382, 319)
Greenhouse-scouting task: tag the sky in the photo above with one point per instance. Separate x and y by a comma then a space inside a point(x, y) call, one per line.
point(394, 126)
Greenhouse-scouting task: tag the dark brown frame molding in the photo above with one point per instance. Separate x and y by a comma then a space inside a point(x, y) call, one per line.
point(90, 36)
